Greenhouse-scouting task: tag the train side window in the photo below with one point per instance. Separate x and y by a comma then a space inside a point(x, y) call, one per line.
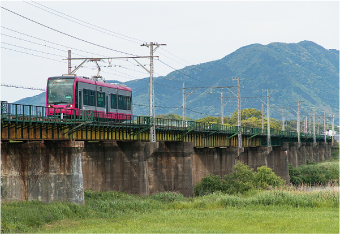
point(125, 103)
point(86, 96)
point(128, 103)
point(100, 99)
point(92, 98)
point(121, 102)
point(114, 101)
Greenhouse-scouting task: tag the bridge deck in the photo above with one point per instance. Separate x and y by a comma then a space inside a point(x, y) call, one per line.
point(26, 122)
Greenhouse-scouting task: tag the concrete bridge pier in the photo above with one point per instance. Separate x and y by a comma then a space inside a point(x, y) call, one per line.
point(50, 171)
point(45, 171)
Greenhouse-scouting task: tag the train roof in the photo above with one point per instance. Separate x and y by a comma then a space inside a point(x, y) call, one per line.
point(89, 81)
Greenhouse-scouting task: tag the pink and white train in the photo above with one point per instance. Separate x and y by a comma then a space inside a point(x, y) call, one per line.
point(74, 94)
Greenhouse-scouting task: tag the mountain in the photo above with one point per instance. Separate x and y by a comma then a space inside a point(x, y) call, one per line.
point(303, 71)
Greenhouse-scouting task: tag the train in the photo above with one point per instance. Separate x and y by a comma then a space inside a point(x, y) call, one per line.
point(71, 95)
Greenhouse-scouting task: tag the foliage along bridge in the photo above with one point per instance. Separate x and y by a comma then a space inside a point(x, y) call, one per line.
point(30, 123)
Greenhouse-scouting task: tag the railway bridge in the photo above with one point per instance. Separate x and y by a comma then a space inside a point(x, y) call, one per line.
point(56, 157)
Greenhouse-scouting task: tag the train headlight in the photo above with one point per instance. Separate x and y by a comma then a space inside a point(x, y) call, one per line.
point(49, 106)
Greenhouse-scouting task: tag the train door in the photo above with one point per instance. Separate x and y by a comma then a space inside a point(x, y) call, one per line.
point(80, 101)
point(107, 103)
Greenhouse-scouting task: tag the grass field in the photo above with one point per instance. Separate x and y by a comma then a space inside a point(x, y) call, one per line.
point(274, 211)
point(284, 210)
point(226, 220)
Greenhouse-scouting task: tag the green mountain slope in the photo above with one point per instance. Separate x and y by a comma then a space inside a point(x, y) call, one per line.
point(301, 71)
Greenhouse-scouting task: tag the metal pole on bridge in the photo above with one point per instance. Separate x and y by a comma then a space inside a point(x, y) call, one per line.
point(152, 92)
point(314, 138)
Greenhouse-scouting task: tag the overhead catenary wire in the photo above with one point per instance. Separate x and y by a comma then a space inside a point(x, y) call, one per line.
point(182, 72)
point(32, 54)
point(37, 43)
point(63, 46)
point(32, 49)
point(94, 27)
point(66, 34)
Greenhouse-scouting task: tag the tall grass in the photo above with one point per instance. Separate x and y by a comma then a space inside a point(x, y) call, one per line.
point(316, 173)
point(28, 216)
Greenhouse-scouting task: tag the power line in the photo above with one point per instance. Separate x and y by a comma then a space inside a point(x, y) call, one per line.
point(168, 107)
point(31, 49)
point(134, 40)
point(175, 56)
point(36, 43)
point(182, 72)
point(65, 33)
point(33, 54)
point(22, 87)
point(46, 40)
point(61, 46)
point(120, 35)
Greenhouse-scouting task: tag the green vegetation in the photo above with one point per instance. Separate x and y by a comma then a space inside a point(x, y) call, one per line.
point(253, 205)
point(316, 173)
point(241, 180)
point(173, 117)
point(283, 211)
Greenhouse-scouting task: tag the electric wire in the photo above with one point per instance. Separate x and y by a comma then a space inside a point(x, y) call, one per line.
point(37, 43)
point(176, 56)
point(33, 54)
point(182, 72)
point(66, 34)
point(92, 25)
point(47, 41)
point(134, 40)
point(32, 49)
point(59, 45)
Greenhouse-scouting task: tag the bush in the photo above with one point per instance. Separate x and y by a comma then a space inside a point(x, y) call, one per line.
point(208, 184)
point(265, 177)
point(314, 174)
point(241, 180)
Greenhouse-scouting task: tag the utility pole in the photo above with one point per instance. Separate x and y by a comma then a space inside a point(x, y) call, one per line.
point(262, 124)
point(183, 104)
point(268, 120)
point(238, 113)
point(298, 121)
point(314, 137)
point(152, 92)
point(222, 110)
point(306, 125)
point(324, 125)
point(283, 121)
point(69, 62)
point(332, 129)
point(184, 97)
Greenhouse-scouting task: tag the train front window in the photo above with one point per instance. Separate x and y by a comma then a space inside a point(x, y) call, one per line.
point(60, 91)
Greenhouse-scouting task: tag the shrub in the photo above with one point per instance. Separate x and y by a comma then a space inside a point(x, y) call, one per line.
point(241, 180)
point(314, 174)
point(265, 177)
point(208, 184)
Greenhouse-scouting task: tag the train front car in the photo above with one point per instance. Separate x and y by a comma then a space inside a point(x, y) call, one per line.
point(71, 95)
point(60, 96)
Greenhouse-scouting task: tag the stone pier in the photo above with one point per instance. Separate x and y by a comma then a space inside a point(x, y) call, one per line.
point(61, 170)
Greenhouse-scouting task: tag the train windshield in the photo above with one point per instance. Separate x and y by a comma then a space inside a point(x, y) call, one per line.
point(60, 91)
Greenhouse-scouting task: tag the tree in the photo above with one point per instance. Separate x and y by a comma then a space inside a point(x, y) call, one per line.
point(173, 117)
point(245, 114)
point(209, 119)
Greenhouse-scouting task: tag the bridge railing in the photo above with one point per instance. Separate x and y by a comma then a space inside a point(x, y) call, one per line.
point(30, 113)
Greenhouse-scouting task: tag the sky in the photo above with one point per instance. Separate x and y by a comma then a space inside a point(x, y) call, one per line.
point(36, 35)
